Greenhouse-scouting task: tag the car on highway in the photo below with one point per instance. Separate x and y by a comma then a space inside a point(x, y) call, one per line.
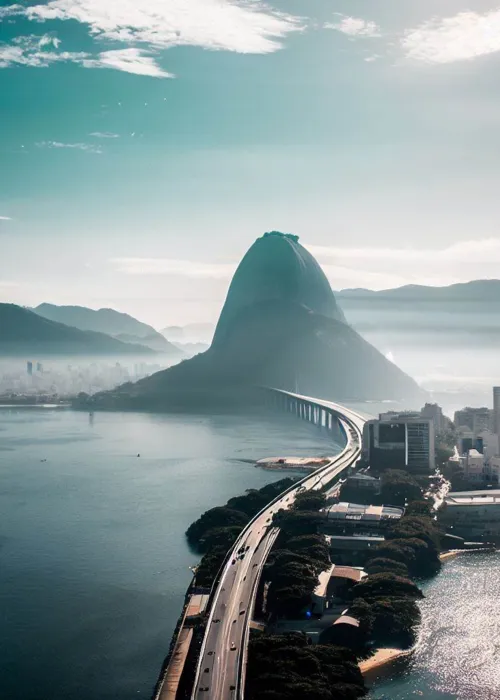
point(233, 645)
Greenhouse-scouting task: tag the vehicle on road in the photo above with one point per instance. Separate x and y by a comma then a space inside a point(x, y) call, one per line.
point(233, 645)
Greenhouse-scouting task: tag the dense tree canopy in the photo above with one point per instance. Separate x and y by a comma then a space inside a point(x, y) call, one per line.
point(285, 667)
point(381, 565)
point(221, 516)
point(309, 501)
point(398, 487)
point(385, 585)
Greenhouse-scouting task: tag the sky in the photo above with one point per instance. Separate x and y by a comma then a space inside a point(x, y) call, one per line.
point(144, 146)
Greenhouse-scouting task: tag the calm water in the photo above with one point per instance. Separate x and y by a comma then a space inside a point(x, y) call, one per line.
point(458, 653)
point(93, 561)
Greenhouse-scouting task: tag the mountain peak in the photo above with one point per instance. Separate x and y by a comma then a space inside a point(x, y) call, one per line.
point(277, 268)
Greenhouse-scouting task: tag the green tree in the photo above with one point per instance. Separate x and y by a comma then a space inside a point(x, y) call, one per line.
point(221, 516)
point(398, 487)
point(223, 537)
point(384, 565)
point(385, 586)
point(309, 501)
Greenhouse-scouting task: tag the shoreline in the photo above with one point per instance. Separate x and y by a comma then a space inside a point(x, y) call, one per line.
point(382, 657)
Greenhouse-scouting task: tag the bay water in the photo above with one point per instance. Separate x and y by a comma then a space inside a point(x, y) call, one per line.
point(93, 560)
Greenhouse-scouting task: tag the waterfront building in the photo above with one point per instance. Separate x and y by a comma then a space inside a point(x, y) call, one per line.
point(489, 443)
point(348, 518)
point(474, 466)
point(399, 441)
point(472, 514)
point(435, 414)
point(29, 368)
point(493, 470)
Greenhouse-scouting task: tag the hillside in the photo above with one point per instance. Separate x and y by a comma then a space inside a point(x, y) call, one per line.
point(23, 331)
point(114, 323)
point(280, 327)
point(486, 291)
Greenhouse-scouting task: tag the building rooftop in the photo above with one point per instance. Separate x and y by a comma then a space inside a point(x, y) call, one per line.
point(354, 511)
point(347, 620)
point(323, 581)
point(348, 572)
point(473, 498)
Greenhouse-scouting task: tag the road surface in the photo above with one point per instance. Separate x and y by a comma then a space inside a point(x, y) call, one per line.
point(222, 664)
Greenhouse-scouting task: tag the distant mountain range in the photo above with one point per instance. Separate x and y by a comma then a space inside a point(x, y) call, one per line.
point(113, 323)
point(465, 314)
point(487, 291)
point(191, 333)
point(281, 326)
point(24, 332)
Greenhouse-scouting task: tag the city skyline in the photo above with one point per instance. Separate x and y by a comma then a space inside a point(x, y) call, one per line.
point(165, 143)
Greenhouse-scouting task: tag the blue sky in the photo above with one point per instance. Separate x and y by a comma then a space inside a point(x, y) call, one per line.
point(145, 145)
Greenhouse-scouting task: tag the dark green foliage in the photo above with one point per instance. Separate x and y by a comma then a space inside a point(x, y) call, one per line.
point(415, 526)
point(385, 585)
point(388, 620)
point(314, 547)
point(254, 500)
point(309, 501)
point(287, 668)
point(398, 487)
point(353, 494)
point(296, 523)
point(395, 550)
point(420, 508)
point(221, 516)
point(223, 537)
point(380, 565)
point(209, 566)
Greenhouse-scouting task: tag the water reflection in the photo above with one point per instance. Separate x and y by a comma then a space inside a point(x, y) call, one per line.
point(457, 655)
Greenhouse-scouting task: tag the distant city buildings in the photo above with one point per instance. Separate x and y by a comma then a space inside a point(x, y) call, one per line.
point(435, 414)
point(476, 419)
point(478, 431)
point(496, 409)
point(58, 379)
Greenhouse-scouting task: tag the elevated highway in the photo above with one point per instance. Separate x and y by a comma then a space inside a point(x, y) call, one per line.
point(220, 674)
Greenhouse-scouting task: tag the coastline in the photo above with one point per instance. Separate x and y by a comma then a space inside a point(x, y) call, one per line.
point(382, 657)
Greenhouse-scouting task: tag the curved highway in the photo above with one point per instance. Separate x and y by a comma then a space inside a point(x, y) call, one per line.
point(220, 673)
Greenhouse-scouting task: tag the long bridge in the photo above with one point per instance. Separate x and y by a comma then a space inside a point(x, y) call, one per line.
point(221, 669)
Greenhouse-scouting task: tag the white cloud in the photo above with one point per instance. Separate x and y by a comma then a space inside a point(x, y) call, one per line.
point(104, 135)
point(35, 51)
point(167, 266)
point(382, 268)
point(127, 60)
point(355, 26)
point(5, 218)
point(245, 26)
point(464, 36)
point(91, 148)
